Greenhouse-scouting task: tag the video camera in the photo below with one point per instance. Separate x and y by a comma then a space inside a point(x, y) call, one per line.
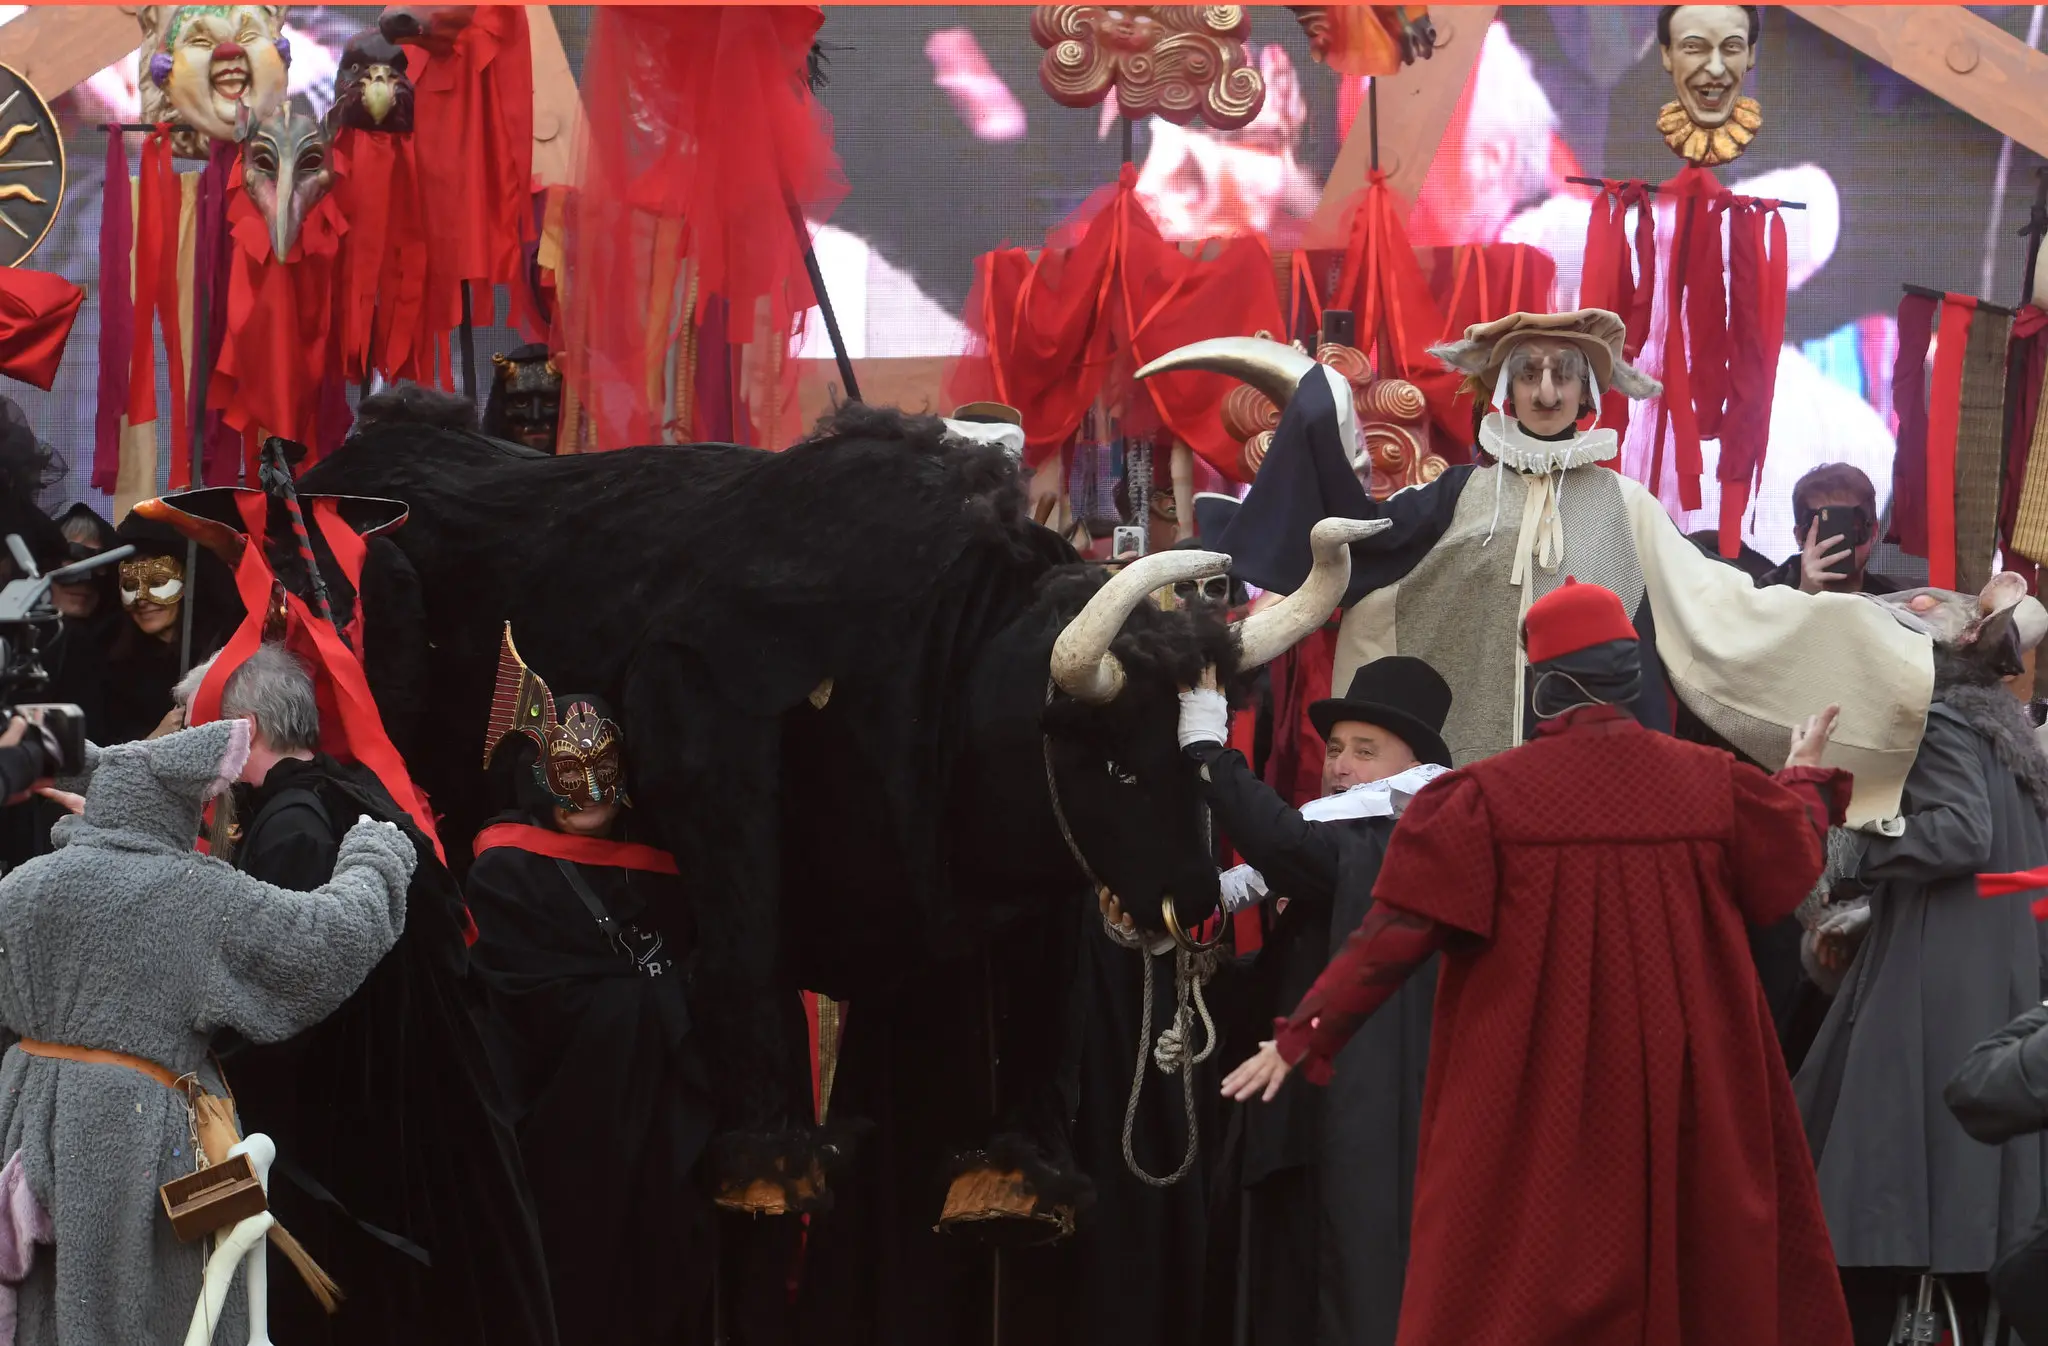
point(57, 731)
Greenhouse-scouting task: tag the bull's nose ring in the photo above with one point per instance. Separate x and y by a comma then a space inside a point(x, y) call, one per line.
point(1180, 936)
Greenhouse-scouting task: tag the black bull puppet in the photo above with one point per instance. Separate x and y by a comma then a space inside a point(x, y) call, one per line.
point(861, 692)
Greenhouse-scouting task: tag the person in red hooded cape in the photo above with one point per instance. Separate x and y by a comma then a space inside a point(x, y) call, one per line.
point(1610, 1154)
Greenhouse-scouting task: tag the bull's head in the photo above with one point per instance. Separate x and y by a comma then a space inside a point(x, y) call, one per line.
point(1132, 807)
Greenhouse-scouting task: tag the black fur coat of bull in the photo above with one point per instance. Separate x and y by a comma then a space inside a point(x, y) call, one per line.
point(832, 668)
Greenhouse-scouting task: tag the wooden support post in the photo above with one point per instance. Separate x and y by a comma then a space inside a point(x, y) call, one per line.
point(1954, 55)
point(1413, 116)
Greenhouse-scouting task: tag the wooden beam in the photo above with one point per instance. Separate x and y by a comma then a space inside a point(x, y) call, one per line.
point(1950, 52)
point(557, 108)
point(58, 47)
point(1415, 110)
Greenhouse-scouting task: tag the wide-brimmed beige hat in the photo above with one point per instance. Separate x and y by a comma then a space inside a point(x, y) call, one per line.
point(1597, 332)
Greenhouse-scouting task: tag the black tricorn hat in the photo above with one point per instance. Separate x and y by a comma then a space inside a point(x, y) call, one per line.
point(1399, 693)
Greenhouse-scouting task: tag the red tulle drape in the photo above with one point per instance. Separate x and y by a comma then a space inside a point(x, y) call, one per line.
point(279, 351)
point(473, 138)
point(1105, 296)
point(381, 304)
point(1398, 318)
point(702, 141)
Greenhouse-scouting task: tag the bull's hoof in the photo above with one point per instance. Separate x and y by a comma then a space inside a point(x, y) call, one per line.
point(1001, 1207)
point(773, 1196)
point(781, 1174)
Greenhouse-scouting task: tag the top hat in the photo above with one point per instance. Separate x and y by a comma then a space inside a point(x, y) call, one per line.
point(1399, 693)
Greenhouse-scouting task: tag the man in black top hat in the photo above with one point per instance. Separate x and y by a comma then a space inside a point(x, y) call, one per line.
point(1329, 1179)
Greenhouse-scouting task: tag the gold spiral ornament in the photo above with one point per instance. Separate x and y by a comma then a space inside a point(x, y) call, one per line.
point(1178, 62)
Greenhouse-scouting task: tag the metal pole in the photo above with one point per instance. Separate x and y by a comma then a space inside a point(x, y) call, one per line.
point(202, 365)
point(1372, 112)
point(803, 232)
point(468, 348)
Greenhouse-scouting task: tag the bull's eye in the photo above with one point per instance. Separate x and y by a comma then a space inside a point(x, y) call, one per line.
point(1121, 776)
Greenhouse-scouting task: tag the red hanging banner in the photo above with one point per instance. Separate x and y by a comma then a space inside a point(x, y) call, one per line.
point(1944, 418)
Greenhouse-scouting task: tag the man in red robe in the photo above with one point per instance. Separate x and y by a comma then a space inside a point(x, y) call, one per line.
point(1610, 1154)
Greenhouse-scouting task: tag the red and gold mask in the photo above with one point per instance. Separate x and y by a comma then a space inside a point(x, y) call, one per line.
point(581, 762)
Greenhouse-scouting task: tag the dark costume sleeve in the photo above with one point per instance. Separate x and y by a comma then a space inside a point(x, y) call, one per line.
point(2001, 1091)
point(1779, 843)
point(294, 847)
point(1298, 858)
point(1947, 811)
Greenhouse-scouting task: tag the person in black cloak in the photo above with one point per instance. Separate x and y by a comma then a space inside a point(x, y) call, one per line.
point(399, 1170)
point(1327, 1178)
point(583, 950)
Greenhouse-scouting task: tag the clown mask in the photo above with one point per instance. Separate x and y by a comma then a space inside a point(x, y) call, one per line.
point(222, 68)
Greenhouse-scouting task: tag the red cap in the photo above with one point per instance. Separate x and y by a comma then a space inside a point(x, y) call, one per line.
point(1572, 618)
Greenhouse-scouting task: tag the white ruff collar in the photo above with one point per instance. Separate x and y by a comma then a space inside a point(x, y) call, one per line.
point(1374, 799)
point(1506, 440)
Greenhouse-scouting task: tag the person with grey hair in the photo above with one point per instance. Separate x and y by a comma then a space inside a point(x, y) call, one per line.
point(430, 1242)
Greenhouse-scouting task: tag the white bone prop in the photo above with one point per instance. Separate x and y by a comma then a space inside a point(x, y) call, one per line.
point(246, 1245)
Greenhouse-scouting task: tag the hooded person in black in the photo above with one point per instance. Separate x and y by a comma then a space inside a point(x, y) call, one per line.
point(583, 947)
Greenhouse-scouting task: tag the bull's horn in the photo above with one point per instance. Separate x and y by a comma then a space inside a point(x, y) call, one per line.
point(1274, 369)
point(1265, 636)
point(1082, 665)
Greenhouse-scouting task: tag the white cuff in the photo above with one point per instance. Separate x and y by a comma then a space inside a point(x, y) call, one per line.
point(1204, 717)
point(1241, 887)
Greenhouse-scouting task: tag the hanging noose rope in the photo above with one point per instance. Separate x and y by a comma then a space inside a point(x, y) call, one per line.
point(1170, 1052)
point(1193, 967)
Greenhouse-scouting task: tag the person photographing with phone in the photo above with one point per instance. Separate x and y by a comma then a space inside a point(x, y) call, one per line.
point(1834, 511)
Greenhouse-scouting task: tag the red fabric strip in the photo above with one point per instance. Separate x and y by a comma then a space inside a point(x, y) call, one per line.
point(1944, 415)
point(576, 850)
point(1691, 189)
point(1909, 401)
point(148, 247)
point(157, 163)
point(2025, 880)
point(117, 317)
point(350, 550)
point(1756, 331)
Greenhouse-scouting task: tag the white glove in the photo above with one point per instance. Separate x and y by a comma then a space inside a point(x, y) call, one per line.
point(1242, 887)
point(1204, 717)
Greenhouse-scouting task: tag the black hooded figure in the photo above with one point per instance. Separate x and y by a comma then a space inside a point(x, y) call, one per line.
point(584, 958)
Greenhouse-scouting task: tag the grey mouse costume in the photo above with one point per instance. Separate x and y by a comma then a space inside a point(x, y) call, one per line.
point(124, 940)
